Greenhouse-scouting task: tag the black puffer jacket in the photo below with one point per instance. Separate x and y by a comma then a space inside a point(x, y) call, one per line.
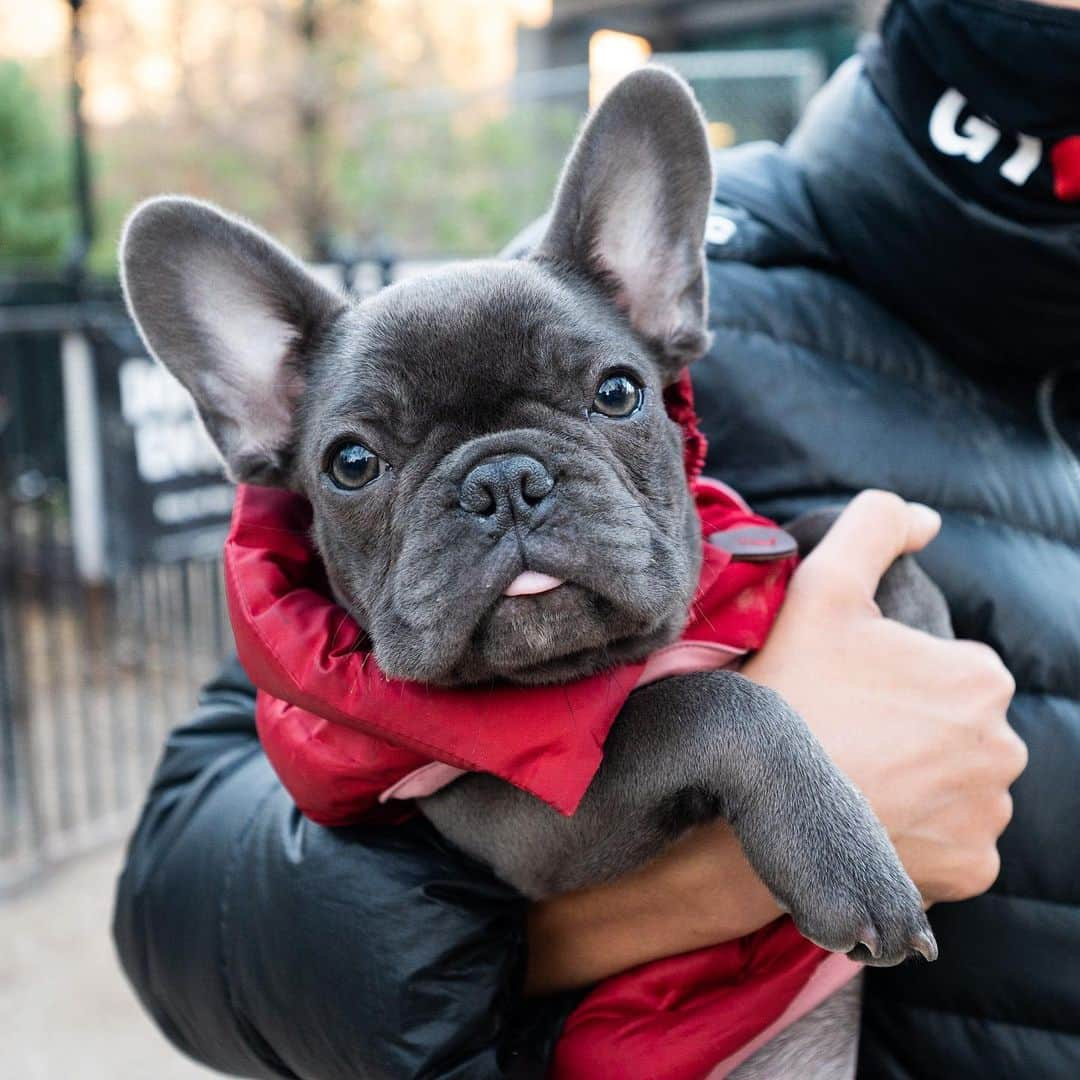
point(871, 328)
point(812, 391)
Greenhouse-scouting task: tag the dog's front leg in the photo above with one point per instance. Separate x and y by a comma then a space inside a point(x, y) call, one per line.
point(689, 750)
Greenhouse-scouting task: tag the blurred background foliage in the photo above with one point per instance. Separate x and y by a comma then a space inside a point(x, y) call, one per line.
point(36, 217)
point(413, 128)
point(363, 123)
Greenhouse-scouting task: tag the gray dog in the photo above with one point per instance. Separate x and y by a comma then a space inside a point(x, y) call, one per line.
point(457, 430)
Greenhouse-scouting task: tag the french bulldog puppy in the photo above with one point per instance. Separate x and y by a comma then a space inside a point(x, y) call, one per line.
point(500, 417)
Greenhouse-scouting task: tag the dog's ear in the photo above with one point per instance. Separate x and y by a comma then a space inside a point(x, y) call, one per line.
point(631, 208)
point(233, 316)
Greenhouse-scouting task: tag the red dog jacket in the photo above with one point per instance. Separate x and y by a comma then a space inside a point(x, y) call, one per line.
point(350, 744)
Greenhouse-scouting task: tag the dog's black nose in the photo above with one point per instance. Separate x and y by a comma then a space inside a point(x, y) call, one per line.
point(511, 487)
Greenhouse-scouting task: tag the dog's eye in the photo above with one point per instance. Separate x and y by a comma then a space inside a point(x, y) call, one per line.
point(353, 465)
point(618, 395)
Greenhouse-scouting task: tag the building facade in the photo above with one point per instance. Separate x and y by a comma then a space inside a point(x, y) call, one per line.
point(829, 27)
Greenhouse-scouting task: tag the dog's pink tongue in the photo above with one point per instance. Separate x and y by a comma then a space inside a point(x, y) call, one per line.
point(530, 583)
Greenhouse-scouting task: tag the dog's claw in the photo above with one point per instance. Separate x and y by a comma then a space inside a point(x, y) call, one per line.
point(887, 931)
point(869, 940)
point(925, 945)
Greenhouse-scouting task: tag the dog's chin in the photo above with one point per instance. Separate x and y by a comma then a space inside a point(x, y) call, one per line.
point(557, 636)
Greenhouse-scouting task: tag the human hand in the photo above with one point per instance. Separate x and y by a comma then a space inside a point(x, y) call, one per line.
point(918, 723)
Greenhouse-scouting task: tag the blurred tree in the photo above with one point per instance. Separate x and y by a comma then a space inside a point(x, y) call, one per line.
point(338, 125)
point(36, 219)
point(459, 179)
point(313, 104)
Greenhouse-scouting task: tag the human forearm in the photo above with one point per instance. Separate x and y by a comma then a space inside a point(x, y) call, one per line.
point(699, 893)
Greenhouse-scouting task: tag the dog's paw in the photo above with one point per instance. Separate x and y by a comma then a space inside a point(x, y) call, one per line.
point(867, 907)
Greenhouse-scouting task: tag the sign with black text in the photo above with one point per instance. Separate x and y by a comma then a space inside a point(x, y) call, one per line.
point(166, 496)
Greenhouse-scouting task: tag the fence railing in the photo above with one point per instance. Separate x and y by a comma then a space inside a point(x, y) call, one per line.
point(94, 670)
point(92, 676)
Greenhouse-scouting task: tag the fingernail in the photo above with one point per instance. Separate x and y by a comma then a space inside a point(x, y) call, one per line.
point(928, 517)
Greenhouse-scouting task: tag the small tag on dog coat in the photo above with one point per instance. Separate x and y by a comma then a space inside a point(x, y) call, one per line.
point(755, 543)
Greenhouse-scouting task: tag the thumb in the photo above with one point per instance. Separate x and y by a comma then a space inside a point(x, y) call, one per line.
point(874, 530)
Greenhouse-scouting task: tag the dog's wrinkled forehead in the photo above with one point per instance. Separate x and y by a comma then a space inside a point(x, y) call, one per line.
point(470, 346)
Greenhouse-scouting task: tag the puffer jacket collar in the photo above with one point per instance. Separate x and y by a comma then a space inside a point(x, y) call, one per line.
point(994, 293)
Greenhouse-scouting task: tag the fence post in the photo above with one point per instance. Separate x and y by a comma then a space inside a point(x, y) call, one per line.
point(86, 483)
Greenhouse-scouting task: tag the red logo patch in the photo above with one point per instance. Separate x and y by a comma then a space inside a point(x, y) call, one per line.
point(1065, 159)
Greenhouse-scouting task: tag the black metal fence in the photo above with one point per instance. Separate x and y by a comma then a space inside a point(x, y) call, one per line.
point(92, 677)
point(95, 667)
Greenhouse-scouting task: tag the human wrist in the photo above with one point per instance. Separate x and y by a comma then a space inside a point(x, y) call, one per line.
point(699, 893)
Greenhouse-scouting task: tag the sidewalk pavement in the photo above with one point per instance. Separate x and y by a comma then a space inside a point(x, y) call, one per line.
point(66, 1012)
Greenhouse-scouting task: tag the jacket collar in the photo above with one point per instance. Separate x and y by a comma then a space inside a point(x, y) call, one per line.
point(850, 194)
